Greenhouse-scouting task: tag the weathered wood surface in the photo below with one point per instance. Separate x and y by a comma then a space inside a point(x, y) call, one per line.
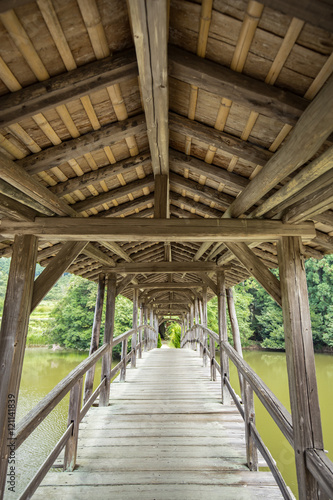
point(165, 435)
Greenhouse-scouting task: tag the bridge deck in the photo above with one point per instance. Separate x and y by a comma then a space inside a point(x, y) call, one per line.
point(165, 436)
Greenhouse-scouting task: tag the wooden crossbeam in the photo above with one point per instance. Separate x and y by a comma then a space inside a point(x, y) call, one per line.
point(257, 269)
point(87, 143)
point(149, 26)
point(169, 286)
point(64, 88)
point(315, 203)
point(219, 140)
point(89, 229)
point(58, 265)
point(12, 209)
point(166, 267)
point(102, 174)
point(244, 90)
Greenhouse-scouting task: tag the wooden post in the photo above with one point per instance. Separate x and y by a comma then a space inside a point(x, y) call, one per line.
point(303, 391)
point(14, 329)
point(223, 334)
point(202, 335)
point(196, 315)
point(191, 324)
point(96, 329)
point(151, 323)
point(161, 204)
point(156, 328)
point(108, 337)
point(235, 331)
point(73, 417)
point(135, 326)
point(246, 390)
point(124, 345)
point(140, 331)
point(145, 310)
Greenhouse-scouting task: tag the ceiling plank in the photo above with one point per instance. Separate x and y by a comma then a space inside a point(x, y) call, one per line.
point(317, 13)
point(149, 26)
point(66, 87)
point(129, 229)
point(87, 143)
point(129, 206)
point(265, 99)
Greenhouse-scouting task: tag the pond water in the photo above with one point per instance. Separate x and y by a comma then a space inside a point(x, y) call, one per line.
point(43, 369)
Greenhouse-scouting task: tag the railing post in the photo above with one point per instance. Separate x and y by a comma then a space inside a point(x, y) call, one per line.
point(191, 324)
point(108, 337)
point(140, 331)
point(124, 345)
point(249, 417)
point(201, 331)
point(303, 390)
point(223, 334)
point(73, 417)
point(235, 331)
point(14, 329)
point(196, 315)
point(89, 381)
point(134, 326)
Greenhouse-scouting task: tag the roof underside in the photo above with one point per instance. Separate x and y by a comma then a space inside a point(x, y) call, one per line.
point(210, 105)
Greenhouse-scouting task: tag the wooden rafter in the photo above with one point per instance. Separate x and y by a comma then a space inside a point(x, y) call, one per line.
point(149, 25)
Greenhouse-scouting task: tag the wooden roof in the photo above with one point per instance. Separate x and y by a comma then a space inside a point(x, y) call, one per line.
point(213, 109)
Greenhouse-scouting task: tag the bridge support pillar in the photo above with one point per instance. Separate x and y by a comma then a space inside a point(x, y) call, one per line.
point(108, 336)
point(223, 334)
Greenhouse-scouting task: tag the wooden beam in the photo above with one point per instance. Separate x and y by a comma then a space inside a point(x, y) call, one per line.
point(113, 194)
point(58, 265)
point(89, 229)
point(257, 269)
point(169, 286)
point(189, 204)
point(12, 209)
point(129, 206)
point(306, 176)
point(310, 132)
point(124, 282)
point(209, 282)
point(115, 248)
point(208, 194)
point(149, 26)
point(303, 390)
point(220, 140)
point(317, 13)
point(223, 333)
point(200, 167)
point(95, 253)
point(307, 209)
point(87, 143)
point(161, 203)
point(63, 88)
point(14, 329)
point(265, 99)
point(7, 190)
point(166, 267)
point(21, 180)
point(102, 174)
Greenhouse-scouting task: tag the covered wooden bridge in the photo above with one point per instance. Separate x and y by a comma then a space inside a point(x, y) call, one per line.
point(168, 150)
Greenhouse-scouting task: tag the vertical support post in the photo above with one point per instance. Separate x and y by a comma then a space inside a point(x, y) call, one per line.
point(108, 337)
point(303, 390)
point(235, 331)
point(124, 344)
point(223, 334)
point(151, 323)
point(161, 204)
point(156, 328)
point(135, 326)
point(196, 315)
point(146, 344)
point(96, 329)
point(14, 329)
point(201, 336)
point(140, 331)
point(191, 324)
point(73, 417)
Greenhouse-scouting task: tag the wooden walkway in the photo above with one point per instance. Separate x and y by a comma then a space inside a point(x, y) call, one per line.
point(165, 436)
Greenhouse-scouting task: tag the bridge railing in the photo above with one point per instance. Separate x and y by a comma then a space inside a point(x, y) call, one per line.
point(73, 383)
point(316, 461)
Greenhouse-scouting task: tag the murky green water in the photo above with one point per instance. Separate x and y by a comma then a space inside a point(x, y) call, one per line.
point(43, 369)
point(272, 368)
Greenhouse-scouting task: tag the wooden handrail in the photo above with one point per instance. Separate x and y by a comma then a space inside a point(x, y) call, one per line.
point(321, 468)
point(35, 416)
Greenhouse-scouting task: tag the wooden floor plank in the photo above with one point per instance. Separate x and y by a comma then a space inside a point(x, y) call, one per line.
point(165, 435)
